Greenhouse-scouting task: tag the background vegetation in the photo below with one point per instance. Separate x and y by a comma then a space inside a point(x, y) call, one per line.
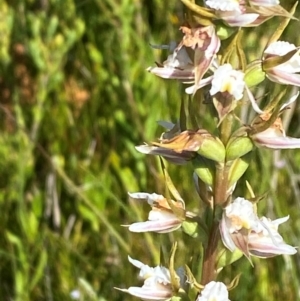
point(74, 101)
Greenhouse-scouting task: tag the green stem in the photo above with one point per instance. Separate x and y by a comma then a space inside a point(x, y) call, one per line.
point(210, 253)
point(220, 196)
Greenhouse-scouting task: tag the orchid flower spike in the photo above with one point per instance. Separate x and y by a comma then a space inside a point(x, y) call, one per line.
point(157, 285)
point(161, 218)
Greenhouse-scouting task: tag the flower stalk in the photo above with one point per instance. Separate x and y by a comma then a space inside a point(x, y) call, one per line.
point(210, 254)
point(219, 156)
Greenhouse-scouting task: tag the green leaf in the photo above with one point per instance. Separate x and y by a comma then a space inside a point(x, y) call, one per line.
point(238, 168)
point(282, 26)
point(39, 269)
point(175, 280)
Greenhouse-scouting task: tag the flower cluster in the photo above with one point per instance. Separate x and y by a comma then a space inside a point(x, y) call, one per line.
point(157, 283)
point(161, 217)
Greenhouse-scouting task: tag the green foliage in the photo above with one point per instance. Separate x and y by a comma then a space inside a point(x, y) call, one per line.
point(75, 100)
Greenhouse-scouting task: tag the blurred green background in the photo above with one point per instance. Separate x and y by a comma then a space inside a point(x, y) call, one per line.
point(74, 101)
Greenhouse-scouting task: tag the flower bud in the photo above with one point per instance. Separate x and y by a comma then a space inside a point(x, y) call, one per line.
point(204, 169)
point(190, 228)
point(238, 168)
point(238, 147)
point(224, 32)
point(212, 148)
point(226, 257)
point(254, 74)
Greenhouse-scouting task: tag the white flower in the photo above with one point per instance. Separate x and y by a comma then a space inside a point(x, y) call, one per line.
point(225, 80)
point(157, 284)
point(286, 72)
point(241, 228)
point(237, 216)
point(214, 291)
point(161, 218)
point(228, 80)
point(203, 43)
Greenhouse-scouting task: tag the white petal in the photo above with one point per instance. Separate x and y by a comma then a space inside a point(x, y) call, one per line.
point(284, 78)
point(150, 294)
point(265, 247)
point(253, 101)
point(240, 214)
point(135, 262)
point(160, 226)
point(224, 5)
point(203, 82)
point(281, 220)
point(279, 48)
point(226, 79)
point(225, 235)
point(264, 2)
point(214, 291)
point(277, 142)
point(239, 20)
